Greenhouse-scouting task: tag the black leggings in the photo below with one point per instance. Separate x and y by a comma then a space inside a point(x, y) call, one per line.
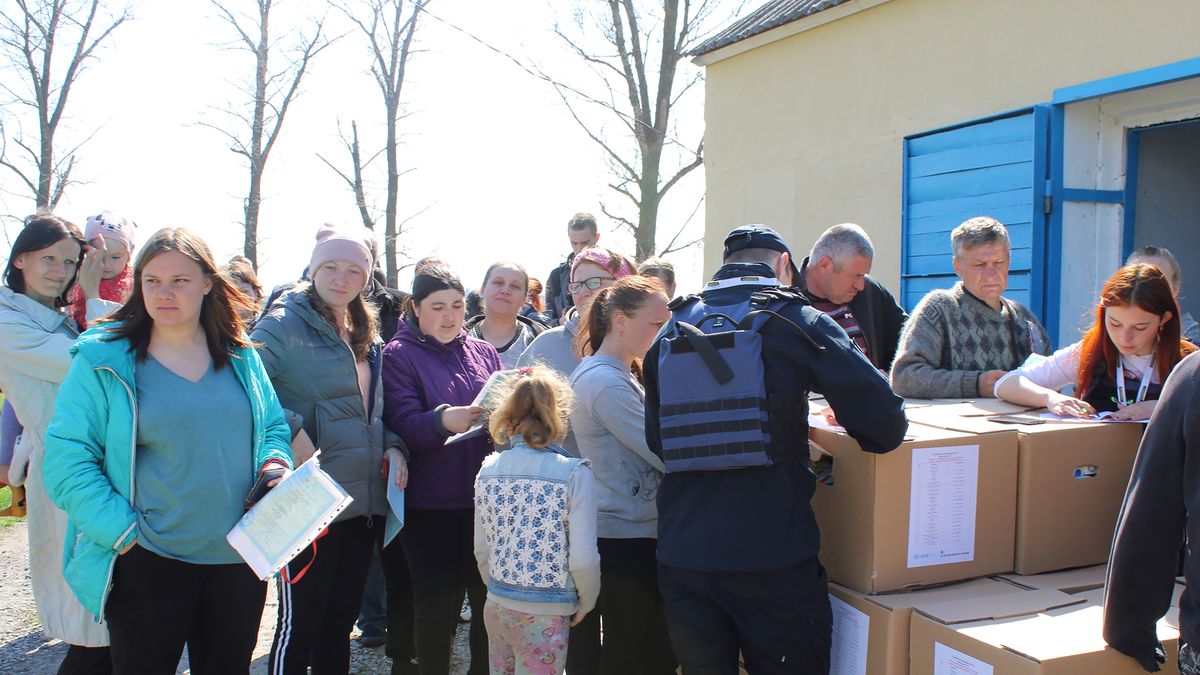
point(317, 613)
point(86, 661)
point(440, 548)
point(635, 637)
point(159, 604)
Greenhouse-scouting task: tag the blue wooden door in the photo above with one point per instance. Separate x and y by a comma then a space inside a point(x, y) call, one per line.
point(992, 167)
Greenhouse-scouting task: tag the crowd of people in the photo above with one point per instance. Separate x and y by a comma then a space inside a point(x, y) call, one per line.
point(639, 503)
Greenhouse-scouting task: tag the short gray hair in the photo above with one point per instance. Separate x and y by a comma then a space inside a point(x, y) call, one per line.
point(754, 255)
point(978, 231)
point(840, 243)
point(659, 268)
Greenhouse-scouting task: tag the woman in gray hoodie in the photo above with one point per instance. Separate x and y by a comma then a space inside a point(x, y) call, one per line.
point(609, 424)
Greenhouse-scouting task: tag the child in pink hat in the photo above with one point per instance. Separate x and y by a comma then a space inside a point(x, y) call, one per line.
point(111, 236)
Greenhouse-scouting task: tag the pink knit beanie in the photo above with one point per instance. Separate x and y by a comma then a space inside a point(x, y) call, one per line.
point(349, 243)
point(112, 227)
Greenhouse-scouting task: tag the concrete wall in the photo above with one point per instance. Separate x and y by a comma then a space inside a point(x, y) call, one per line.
point(807, 131)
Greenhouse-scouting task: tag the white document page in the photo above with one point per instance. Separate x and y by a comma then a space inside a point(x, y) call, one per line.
point(851, 628)
point(948, 661)
point(1099, 417)
point(941, 512)
point(488, 398)
point(395, 498)
point(288, 518)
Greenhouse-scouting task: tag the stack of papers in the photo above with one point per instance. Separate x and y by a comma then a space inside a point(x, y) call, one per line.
point(288, 518)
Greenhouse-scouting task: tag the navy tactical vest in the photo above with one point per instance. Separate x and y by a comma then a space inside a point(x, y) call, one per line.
point(713, 407)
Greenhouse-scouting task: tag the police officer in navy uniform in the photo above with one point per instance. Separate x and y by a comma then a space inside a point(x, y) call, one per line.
point(737, 549)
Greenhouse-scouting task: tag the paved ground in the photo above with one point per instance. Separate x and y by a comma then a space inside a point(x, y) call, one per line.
point(25, 649)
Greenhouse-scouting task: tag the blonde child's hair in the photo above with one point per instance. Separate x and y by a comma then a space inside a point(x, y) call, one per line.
point(535, 406)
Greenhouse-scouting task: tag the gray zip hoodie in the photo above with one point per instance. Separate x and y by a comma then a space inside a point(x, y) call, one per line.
point(609, 420)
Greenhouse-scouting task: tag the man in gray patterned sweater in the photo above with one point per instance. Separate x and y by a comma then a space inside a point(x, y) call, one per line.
point(960, 341)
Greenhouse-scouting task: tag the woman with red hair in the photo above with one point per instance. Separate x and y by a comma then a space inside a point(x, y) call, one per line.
point(1123, 359)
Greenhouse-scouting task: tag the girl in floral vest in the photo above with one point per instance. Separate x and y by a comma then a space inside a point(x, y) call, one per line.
point(535, 529)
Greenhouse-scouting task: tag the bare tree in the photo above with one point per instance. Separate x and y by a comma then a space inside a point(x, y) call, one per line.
point(640, 86)
point(354, 180)
point(389, 31)
point(48, 43)
point(273, 92)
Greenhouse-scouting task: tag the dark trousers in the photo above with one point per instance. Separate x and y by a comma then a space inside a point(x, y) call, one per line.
point(316, 614)
point(157, 605)
point(400, 622)
point(86, 661)
point(780, 619)
point(372, 615)
point(441, 557)
point(583, 644)
point(634, 626)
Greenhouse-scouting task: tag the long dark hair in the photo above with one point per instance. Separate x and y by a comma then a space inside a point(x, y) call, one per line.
point(42, 231)
point(362, 324)
point(223, 328)
point(1136, 285)
point(626, 296)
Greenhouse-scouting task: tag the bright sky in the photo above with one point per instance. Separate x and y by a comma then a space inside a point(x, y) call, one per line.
point(498, 164)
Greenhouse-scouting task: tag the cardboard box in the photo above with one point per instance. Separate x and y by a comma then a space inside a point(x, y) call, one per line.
point(878, 534)
point(968, 407)
point(1070, 581)
point(1063, 641)
point(875, 628)
point(1071, 482)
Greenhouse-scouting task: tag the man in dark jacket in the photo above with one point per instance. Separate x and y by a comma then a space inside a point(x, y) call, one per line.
point(1163, 496)
point(737, 549)
point(389, 301)
point(582, 232)
point(836, 279)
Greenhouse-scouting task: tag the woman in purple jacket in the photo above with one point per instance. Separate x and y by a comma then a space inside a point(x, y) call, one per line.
point(432, 371)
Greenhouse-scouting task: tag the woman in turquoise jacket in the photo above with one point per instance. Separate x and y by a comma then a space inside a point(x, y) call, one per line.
point(164, 422)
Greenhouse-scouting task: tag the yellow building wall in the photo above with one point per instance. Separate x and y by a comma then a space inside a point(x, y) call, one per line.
point(807, 131)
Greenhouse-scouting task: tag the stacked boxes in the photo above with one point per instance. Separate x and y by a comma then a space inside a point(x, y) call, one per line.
point(966, 496)
point(1071, 481)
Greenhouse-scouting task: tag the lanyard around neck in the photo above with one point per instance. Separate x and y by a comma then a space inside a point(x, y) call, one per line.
point(1142, 389)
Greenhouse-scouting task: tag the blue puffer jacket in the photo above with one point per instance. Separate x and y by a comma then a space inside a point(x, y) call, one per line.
point(89, 461)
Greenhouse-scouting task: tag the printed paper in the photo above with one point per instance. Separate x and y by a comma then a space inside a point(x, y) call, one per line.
point(395, 518)
point(1098, 417)
point(488, 398)
point(948, 661)
point(288, 518)
point(941, 514)
point(851, 629)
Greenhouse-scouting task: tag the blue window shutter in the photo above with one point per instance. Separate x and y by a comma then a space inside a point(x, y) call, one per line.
point(992, 167)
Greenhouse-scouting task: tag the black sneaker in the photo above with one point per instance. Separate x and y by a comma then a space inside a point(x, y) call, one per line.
point(372, 641)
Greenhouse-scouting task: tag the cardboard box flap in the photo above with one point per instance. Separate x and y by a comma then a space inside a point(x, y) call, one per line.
point(1096, 597)
point(981, 407)
point(950, 417)
point(1068, 581)
point(975, 588)
point(993, 607)
point(1044, 638)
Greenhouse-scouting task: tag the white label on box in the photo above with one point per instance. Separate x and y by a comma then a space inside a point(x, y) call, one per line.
point(851, 628)
point(948, 661)
point(941, 510)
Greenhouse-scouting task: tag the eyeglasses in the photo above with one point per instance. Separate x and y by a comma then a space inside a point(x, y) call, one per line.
point(592, 284)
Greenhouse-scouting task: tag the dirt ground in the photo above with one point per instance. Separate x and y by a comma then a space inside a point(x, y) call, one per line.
point(25, 649)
